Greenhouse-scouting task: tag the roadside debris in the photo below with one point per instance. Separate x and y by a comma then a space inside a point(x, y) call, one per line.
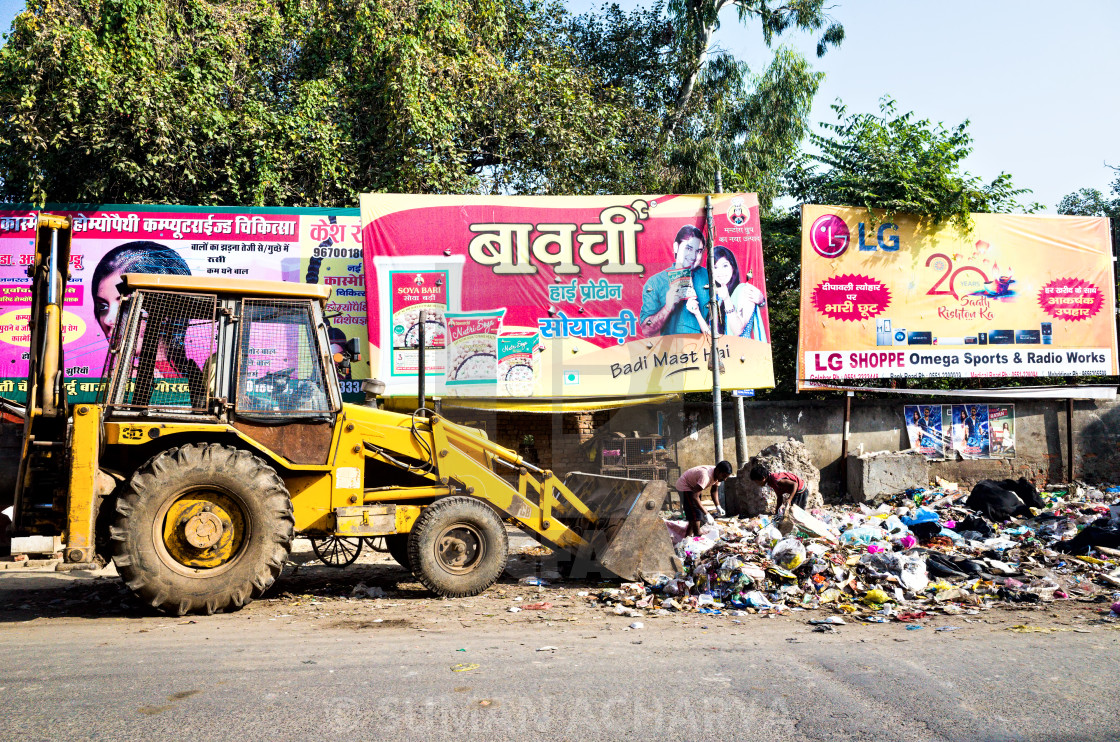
point(924, 552)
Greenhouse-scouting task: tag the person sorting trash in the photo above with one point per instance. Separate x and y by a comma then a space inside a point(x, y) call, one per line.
point(788, 486)
point(692, 483)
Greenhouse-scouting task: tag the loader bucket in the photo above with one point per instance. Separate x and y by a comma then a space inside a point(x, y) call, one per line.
point(629, 538)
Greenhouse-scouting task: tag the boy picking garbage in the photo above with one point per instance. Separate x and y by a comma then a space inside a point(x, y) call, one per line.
point(788, 486)
point(692, 483)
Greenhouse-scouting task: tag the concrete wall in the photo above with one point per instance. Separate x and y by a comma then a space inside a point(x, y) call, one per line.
point(878, 425)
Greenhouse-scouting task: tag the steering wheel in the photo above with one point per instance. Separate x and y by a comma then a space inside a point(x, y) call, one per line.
point(283, 373)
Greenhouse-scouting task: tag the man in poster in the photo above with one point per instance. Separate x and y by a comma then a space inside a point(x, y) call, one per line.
point(675, 301)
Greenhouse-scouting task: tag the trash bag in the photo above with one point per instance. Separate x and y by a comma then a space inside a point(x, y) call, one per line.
point(974, 524)
point(925, 531)
point(913, 574)
point(1025, 490)
point(1097, 533)
point(940, 566)
point(789, 554)
point(994, 502)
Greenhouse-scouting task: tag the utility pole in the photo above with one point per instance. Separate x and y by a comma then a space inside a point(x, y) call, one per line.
point(713, 322)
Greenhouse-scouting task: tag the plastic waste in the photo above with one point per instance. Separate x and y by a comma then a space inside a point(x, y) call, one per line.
point(913, 575)
point(861, 535)
point(924, 515)
point(755, 599)
point(875, 597)
point(768, 535)
point(534, 581)
point(908, 541)
point(789, 553)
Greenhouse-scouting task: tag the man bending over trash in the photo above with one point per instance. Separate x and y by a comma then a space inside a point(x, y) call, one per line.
point(692, 483)
point(789, 487)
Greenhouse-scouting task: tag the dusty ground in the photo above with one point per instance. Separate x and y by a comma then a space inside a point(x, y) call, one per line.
point(310, 592)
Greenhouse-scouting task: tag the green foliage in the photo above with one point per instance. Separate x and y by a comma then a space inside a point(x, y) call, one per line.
point(701, 114)
point(271, 102)
point(901, 164)
point(1091, 202)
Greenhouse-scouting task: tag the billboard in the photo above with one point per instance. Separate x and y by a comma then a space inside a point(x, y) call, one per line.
point(1018, 296)
point(312, 246)
point(563, 296)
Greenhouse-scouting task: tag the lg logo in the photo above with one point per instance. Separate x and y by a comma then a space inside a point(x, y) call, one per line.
point(830, 237)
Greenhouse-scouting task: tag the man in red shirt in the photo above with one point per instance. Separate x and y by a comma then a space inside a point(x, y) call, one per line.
point(789, 487)
point(692, 483)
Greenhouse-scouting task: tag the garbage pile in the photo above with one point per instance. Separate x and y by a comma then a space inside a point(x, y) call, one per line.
point(936, 550)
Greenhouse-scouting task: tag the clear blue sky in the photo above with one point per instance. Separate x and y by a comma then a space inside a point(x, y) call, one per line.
point(1038, 81)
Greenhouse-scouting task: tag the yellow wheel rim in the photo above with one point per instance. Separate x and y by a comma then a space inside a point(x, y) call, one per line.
point(204, 529)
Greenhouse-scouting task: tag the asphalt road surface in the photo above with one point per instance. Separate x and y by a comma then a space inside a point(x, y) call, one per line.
point(79, 660)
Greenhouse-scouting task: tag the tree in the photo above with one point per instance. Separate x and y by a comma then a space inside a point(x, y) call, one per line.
point(260, 102)
point(731, 122)
point(1091, 202)
point(901, 164)
point(697, 21)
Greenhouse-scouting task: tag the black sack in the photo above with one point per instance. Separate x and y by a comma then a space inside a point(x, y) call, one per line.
point(1025, 490)
point(995, 502)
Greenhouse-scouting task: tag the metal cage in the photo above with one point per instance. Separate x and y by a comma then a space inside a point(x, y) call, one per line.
point(161, 353)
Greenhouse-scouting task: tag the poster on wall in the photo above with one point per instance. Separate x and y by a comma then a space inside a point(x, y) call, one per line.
point(1018, 296)
point(974, 431)
point(970, 431)
point(310, 246)
point(573, 296)
point(924, 428)
point(1001, 427)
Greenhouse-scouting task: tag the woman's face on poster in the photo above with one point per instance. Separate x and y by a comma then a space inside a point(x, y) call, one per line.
point(723, 271)
point(107, 302)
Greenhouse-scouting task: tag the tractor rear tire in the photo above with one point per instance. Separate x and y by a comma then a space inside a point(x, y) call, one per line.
point(458, 547)
point(202, 527)
point(397, 546)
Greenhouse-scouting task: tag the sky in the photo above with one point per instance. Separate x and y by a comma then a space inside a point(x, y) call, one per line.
point(1036, 81)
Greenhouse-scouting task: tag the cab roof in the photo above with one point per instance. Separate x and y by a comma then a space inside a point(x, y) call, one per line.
point(246, 287)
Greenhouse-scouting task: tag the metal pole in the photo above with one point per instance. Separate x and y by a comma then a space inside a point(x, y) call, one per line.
point(421, 366)
point(844, 446)
point(1069, 440)
point(741, 452)
point(713, 322)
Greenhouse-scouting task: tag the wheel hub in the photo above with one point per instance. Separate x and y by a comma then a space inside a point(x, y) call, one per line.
point(203, 530)
point(459, 548)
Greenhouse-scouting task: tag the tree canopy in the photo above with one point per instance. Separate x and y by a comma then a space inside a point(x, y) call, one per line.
point(268, 102)
point(901, 164)
point(259, 102)
point(1091, 202)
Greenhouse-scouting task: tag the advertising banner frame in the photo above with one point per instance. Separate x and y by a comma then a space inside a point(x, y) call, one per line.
point(1019, 296)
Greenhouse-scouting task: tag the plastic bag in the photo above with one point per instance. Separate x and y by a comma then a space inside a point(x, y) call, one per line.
point(913, 575)
point(768, 536)
point(862, 535)
point(789, 553)
point(695, 546)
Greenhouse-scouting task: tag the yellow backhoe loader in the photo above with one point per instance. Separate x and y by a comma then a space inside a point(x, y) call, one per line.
point(219, 433)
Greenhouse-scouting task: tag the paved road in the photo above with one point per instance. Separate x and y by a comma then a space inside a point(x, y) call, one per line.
point(79, 659)
point(254, 677)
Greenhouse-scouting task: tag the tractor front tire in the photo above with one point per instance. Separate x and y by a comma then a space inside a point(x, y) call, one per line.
point(458, 547)
point(202, 528)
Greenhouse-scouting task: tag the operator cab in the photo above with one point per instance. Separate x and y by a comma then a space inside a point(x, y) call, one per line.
point(220, 349)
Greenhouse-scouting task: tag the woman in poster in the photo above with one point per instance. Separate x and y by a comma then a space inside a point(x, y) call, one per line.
point(170, 360)
point(739, 301)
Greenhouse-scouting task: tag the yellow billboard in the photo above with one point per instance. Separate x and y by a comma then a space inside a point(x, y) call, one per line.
point(1017, 296)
